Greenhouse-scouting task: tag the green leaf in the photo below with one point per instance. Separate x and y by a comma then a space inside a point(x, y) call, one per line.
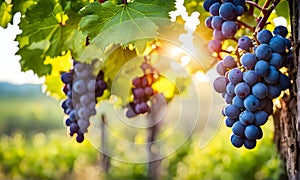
point(48, 21)
point(5, 14)
point(108, 23)
point(33, 60)
point(116, 57)
point(22, 6)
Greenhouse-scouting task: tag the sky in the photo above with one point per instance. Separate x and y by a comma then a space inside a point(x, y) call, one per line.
point(10, 69)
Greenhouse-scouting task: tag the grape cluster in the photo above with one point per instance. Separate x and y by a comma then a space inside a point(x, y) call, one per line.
point(249, 85)
point(222, 20)
point(82, 88)
point(142, 90)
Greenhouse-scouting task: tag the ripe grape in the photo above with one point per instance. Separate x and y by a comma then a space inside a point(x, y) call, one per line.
point(263, 52)
point(220, 84)
point(235, 76)
point(227, 11)
point(237, 141)
point(264, 36)
point(251, 132)
point(262, 68)
point(244, 43)
point(251, 103)
point(280, 30)
point(216, 22)
point(238, 128)
point(229, 28)
point(248, 60)
point(277, 44)
point(214, 46)
point(260, 90)
point(242, 89)
point(229, 62)
point(214, 9)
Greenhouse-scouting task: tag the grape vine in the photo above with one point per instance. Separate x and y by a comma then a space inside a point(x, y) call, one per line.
point(253, 75)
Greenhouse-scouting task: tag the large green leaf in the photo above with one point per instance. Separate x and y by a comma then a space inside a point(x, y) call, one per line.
point(50, 28)
point(5, 14)
point(109, 23)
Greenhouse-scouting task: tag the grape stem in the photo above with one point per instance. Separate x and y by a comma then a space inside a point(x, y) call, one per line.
point(254, 4)
point(266, 14)
point(241, 23)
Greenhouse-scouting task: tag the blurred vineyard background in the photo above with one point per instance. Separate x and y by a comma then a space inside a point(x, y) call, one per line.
point(34, 144)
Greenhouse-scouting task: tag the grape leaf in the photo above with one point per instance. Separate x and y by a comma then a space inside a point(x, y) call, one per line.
point(51, 27)
point(108, 23)
point(5, 14)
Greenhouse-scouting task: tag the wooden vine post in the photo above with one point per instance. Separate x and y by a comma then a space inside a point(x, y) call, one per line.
point(287, 117)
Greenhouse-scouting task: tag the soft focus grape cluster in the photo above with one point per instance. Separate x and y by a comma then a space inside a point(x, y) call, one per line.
point(82, 88)
point(142, 90)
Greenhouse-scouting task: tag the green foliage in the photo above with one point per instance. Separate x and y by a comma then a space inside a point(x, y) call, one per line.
point(49, 28)
point(124, 24)
point(5, 14)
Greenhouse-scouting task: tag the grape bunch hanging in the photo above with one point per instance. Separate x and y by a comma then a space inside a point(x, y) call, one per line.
point(142, 90)
point(250, 77)
point(82, 89)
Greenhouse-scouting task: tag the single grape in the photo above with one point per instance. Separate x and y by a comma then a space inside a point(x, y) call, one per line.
point(80, 137)
point(242, 89)
point(214, 9)
point(248, 60)
point(246, 118)
point(250, 77)
point(238, 128)
point(79, 87)
point(74, 127)
point(142, 108)
point(260, 90)
point(227, 11)
point(83, 125)
point(263, 52)
point(82, 74)
point(251, 132)
point(262, 68)
point(216, 22)
point(273, 76)
point(208, 22)
point(232, 111)
point(148, 91)
point(230, 89)
point(208, 3)
point(235, 76)
point(214, 46)
point(277, 44)
point(274, 91)
point(221, 69)
point(138, 93)
point(264, 36)
point(66, 77)
point(83, 113)
point(218, 35)
point(239, 10)
point(228, 99)
point(260, 117)
point(238, 102)
point(276, 60)
point(249, 144)
point(220, 84)
point(260, 133)
point(68, 122)
point(280, 30)
point(244, 42)
point(130, 113)
point(229, 122)
point(237, 141)
point(229, 62)
point(229, 28)
point(251, 103)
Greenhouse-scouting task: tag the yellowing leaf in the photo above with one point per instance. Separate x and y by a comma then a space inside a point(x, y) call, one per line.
point(5, 14)
point(53, 84)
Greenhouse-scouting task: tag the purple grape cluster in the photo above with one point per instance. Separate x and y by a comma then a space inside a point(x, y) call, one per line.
point(82, 88)
point(142, 91)
point(250, 86)
point(222, 20)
